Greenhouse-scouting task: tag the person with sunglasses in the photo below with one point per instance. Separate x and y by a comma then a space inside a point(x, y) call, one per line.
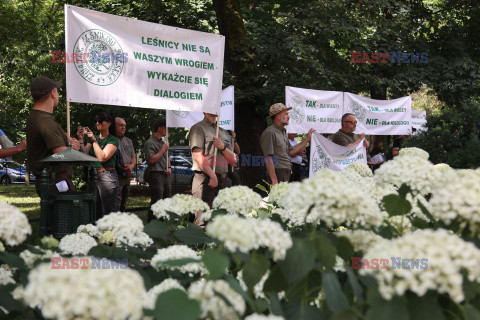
point(104, 147)
point(345, 136)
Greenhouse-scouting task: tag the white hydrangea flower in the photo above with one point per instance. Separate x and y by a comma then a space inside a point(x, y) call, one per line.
point(456, 197)
point(447, 255)
point(443, 167)
point(213, 306)
point(89, 229)
point(85, 293)
point(258, 287)
point(6, 275)
point(177, 252)
point(152, 294)
point(30, 258)
point(416, 211)
point(278, 192)
point(361, 240)
point(245, 234)
point(237, 200)
point(49, 242)
point(14, 226)
point(339, 264)
point(2, 248)
point(180, 204)
point(402, 224)
point(256, 316)
point(414, 152)
point(329, 198)
point(108, 237)
point(77, 244)
point(418, 173)
point(128, 229)
point(361, 168)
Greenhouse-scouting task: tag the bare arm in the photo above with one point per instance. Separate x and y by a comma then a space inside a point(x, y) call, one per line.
point(297, 149)
point(104, 154)
point(204, 165)
point(11, 151)
point(159, 154)
point(271, 169)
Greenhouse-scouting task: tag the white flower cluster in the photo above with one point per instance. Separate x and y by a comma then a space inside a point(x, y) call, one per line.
point(237, 200)
point(178, 252)
point(85, 293)
point(6, 275)
point(402, 224)
point(77, 244)
point(444, 255)
point(108, 237)
point(456, 196)
point(14, 226)
point(180, 204)
point(245, 234)
point(443, 167)
point(2, 248)
point(278, 192)
point(256, 316)
point(418, 173)
point(361, 240)
point(128, 229)
point(49, 242)
point(416, 211)
point(361, 168)
point(329, 198)
point(30, 258)
point(414, 152)
point(213, 306)
point(152, 294)
point(89, 229)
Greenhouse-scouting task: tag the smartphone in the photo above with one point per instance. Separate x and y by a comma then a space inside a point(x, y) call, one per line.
point(85, 130)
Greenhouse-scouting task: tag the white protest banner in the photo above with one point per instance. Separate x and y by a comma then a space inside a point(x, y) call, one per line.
point(326, 154)
point(186, 119)
point(123, 61)
point(419, 120)
point(380, 117)
point(317, 109)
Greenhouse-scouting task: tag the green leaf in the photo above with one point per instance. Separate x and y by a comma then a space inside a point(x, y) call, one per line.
point(157, 230)
point(235, 285)
point(306, 288)
point(299, 260)
point(428, 214)
point(345, 249)
point(404, 190)
point(8, 302)
point(394, 309)
point(262, 213)
point(419, 223)
point(336, 300)
point(259, 186)
point(216, 262)
point(192, 235)
point(276, 281)
point(357, 288)
point(275, 305)
point(396, 205)
point(175, 304)
point(297, 311)
point(471, 313)
point(12, 260)
point(426, 307)
point(254, 269)
point(218, 212)
point(326, 252)
point(179, 262)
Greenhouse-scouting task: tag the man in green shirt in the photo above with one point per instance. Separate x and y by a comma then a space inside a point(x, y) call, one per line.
point(345, 136)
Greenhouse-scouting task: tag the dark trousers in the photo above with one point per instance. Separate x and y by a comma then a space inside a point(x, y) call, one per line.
point(107, 190)
point(123, 191)
point(295, 172)
point(283, 175)
point(160, 188)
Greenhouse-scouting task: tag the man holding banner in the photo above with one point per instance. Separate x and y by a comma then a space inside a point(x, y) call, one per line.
point(276, 147)
point(345, 136)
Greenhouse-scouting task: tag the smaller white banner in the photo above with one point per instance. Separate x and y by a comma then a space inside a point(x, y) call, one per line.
point(419, 120)
point(317, 109)
point(186, 119)
point(326, 154)
point(380, 117)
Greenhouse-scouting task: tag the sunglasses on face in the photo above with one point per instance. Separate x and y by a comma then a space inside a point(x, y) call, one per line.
point(99, 121)
point(352, 122)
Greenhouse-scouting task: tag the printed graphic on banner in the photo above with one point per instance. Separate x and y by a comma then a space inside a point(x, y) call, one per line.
point(317, 109)
point(380, 117)
point(326, 154)
point(419, 120)
point(128, 62)
point(183, 119)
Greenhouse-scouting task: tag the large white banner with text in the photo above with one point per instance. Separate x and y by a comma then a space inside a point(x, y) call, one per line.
point(317, 109)
point(419, 120)
point(123, 61)
point(186, 119)
point(380, 117)
point(326, 154)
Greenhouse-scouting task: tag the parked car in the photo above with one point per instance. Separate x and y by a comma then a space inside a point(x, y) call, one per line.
point(13, 172)
point(181, 162)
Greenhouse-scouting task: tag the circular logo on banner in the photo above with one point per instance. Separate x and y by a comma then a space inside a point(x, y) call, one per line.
point(103, 57)
point(320, 159)
point(357, 110)
point(181, 114)
point(297, 113)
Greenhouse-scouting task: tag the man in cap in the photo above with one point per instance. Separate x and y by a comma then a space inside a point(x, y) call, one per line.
point(275, 145)
point(203, 141)
point(345, 135)
point(44, 135)
point(158, 170)
point(128, 159)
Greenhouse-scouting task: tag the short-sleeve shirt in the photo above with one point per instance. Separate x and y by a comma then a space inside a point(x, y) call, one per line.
point(274, 142)
point(344, 138)
point(152, 146)
point(43, 135)
point(125, 146)
point(201, 136)
point(110, 163)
